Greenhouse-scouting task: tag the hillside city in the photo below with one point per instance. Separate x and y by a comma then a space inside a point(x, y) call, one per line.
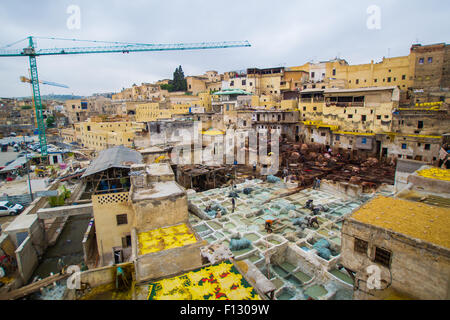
point(320, 181)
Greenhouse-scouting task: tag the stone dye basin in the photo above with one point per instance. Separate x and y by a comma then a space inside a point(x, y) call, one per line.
point(303, 277)
point(316, 291)
point(285, 294)
point(342, 275)
point(215, 225)
point(201, 228)
point(252, 237)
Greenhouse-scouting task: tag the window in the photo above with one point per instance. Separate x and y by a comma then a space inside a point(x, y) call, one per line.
point(357, 81)
point(382, 257)
point(363, 118)
point(360, 246)
point(121, 219)
point(323, 134)
point(338, 138)
point(126, 241)
point(364, 140)
point(314, 108)
point(404, 77)
point(231, 83)
point(334, 72)
point(350, 116)
point(244, 82)
point(389, 79)
point(245, 123)
point(430, 59)
point(304, 108)
point(427, 146)
point(375, 80)
point(421, 60)
point(404, 145)
point(420, 125)
point(313, 74)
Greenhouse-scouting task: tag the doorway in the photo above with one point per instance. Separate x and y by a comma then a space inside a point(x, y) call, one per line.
point(118, 255)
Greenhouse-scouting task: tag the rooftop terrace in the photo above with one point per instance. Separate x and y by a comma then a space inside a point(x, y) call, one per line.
point(165, 238)
point(417, 220)
point(221, 281)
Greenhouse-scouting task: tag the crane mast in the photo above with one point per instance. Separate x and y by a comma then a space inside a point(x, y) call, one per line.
point(37, 99)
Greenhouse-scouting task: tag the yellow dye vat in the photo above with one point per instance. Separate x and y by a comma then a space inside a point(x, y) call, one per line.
point(217, 282)
point(435, 173)
point(354, 133)
point(165, 238)
point(416, 220)
point(213, 132)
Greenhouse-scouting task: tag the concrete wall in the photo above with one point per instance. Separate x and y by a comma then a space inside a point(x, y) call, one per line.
point(89, 241)
point(420, 183)
point(152, 214)
point(102, 276)
point(404, 169)
point(418, 269)
point(169, 262)
point(344, 189)
point(27, 259)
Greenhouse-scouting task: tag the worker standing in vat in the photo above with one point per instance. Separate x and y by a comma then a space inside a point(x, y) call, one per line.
point(61, 265)
point(233, 203)
point(316, 183)
point(312, 221)
point(269, 224)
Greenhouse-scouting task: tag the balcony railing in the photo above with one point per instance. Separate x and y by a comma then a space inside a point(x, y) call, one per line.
point(344, 104)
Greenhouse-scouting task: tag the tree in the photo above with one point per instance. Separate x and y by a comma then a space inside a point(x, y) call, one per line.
point(168, 87)
point(179, 82)
point(50, 121)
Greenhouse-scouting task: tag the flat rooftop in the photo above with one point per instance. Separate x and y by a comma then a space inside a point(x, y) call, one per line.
point(435, 173)
point(159, 190)
point(413, 219)
point(159, 169)
point(165, 238)
point(220, 281)
point(21, 222)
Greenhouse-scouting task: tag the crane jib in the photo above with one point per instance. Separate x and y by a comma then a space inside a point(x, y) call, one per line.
point(32, 53)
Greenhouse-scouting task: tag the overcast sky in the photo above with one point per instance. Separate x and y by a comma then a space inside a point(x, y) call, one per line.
point(282, 33)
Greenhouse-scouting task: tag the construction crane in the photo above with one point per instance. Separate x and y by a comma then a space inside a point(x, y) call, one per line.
point(32, 52)
point(49, 83)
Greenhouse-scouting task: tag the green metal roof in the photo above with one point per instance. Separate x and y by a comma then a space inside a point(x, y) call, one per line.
point(232, 91)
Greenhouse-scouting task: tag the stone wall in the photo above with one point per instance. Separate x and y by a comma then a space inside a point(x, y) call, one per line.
point(27, 259)
point(417, 269)
point(168, 262)
point(152, 214)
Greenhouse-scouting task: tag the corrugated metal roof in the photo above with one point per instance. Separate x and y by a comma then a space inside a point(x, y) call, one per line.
point(19, 162)
point(116, 157)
